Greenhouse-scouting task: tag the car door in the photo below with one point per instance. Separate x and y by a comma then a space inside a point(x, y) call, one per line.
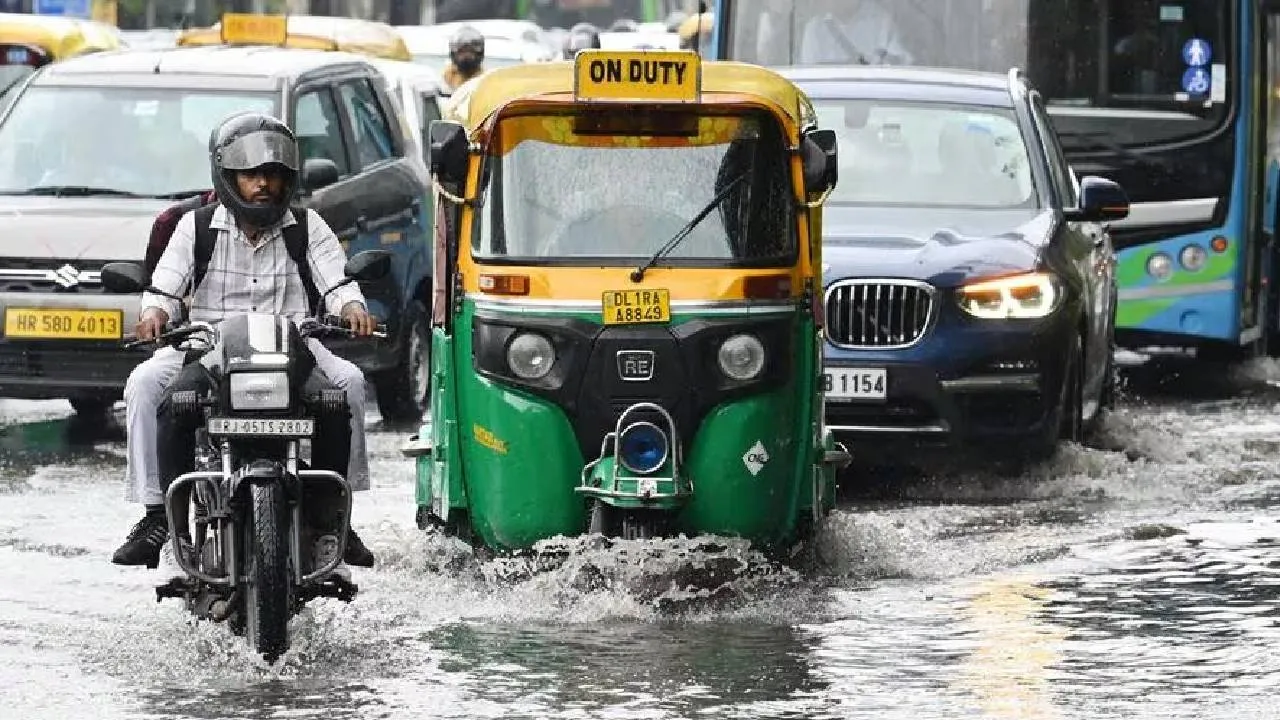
point(317, 125)
point(1087, 247)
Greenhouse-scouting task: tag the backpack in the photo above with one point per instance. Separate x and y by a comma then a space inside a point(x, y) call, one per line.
point(296, 238)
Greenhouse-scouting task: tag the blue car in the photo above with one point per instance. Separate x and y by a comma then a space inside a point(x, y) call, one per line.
point(970, 288)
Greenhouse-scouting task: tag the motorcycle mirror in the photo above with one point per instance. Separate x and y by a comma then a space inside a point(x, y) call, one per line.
point(123, 277)
point(368, 266)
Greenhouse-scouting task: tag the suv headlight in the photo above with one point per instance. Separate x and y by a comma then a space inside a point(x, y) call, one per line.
point(1032, 295)
point(259, 391)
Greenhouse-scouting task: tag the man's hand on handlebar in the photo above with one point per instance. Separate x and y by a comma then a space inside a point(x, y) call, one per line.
point(151, 323)
point(358, 319)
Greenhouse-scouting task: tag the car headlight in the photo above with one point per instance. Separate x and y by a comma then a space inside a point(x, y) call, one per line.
point(530, 356)
point(741, 357)
point(1033, 295)
point(1160, 266)
point(259, 391)
point(1193, 257)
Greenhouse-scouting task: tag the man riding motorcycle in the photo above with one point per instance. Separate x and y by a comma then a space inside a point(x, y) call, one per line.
point(466, 55)
point(254, 162)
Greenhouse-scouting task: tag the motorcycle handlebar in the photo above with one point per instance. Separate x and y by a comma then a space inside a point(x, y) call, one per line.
point(329, 325)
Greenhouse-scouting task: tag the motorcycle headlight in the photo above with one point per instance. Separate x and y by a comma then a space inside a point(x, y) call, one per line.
point(259, 391)
point(1033, 295)
point(741, 357)
point(530, 356)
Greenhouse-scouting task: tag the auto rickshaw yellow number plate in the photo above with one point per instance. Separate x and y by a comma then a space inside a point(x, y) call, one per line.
point(638, 75)
point(629, 307)
point(251, 29)
point(63, 324)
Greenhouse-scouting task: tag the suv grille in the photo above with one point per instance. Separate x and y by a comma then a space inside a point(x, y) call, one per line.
point(51, 276)
point(878, 313)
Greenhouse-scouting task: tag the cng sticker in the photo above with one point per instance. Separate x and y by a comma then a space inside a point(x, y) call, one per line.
point(755, 458)
point(638, 75)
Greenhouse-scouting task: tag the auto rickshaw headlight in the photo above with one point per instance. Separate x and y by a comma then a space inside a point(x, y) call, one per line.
point(643, 448)
point(741, 357)
point(530, 356)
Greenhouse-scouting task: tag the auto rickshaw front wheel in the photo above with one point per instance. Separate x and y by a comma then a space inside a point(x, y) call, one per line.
point(625, 523)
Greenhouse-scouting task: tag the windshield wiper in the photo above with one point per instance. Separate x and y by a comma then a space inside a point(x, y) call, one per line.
point(1100, 140)
point(638, 274)
point(72, 191)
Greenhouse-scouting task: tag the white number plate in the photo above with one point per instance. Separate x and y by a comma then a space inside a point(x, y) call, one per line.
point(292, 427)
point(855, 383)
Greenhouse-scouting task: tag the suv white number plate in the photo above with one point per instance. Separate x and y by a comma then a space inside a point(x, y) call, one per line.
point(290, 427)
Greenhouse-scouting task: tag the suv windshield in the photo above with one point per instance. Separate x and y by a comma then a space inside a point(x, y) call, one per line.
point(143, 141)
point(558, 195)
point(1171, 61)
point(928, 154)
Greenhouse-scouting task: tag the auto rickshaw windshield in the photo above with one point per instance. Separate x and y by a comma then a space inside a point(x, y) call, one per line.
point(565, 189)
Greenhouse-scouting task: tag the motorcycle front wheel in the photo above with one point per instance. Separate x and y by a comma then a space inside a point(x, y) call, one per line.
point(266, 599)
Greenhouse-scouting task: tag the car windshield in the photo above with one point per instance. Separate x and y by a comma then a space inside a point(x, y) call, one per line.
point(928, 154)
point(144, 141)
point(563, 190)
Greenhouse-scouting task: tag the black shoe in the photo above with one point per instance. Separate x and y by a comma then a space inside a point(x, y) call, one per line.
point(357, 554)
point(145, 540)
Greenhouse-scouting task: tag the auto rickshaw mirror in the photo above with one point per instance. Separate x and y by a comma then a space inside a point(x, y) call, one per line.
point(123, 277)
point(318, 173)
point(818, 155)
point(448, 151)
point(369, 265)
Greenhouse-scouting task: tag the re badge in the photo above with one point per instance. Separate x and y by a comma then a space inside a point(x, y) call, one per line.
point(756, 458)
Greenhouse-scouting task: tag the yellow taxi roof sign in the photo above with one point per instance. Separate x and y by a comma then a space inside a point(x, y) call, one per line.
point(638, 76)
point(254, 29)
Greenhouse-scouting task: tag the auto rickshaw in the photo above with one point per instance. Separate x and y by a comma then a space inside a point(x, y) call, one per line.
point(627, 312)
point(310, 32)
point(29, 42)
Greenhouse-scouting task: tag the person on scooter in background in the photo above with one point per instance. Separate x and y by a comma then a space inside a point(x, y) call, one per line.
point(466, 57)
point(254, 161)
point(582, 37)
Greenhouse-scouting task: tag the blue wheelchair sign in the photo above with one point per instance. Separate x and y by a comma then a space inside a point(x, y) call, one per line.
point(1197, 52)
point(1196, 81)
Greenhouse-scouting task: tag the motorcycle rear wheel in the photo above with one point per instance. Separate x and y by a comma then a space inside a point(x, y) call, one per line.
point(266, 599)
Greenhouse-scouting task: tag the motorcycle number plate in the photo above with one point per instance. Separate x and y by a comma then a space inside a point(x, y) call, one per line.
point(288, 427)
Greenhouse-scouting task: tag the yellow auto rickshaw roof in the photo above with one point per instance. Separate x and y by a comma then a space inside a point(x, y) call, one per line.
point(476, 100)
point(310, 32)
point(61, 37)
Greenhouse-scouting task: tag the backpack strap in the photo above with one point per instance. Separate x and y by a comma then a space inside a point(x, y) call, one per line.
point(297, 238)
point(206, 237)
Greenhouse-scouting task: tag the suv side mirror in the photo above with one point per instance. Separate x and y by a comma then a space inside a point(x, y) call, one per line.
point(1101, 200)
point(447, 154)
point(368, 266)
point(123, 277)
point(818, 156)
point(318, 173)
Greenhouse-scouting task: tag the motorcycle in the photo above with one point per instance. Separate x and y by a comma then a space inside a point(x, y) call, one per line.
point(248, 500)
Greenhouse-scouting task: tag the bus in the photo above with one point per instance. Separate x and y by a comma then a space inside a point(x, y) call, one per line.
point(555, 13)
point(1173, 99)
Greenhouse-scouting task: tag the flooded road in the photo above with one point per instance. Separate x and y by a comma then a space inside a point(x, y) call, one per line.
point(1136, 579)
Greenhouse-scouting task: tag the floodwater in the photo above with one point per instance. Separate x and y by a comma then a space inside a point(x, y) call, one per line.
point(1136, 579)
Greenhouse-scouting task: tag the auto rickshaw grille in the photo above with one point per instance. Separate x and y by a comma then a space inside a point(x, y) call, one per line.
point(878, 313)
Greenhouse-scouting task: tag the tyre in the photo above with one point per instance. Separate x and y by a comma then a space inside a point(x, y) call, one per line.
point(1064, 418)
point(405, 391)
point(267, 598)
point(610, 521)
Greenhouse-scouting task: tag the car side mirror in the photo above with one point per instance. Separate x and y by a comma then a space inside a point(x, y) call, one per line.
point(818, 156)
point(368, 266)
point(447, 154)
point(124, 277)
point(1101, 200)
point(319, 173)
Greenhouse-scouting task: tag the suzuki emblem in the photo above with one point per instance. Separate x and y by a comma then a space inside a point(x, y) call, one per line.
point(635, 365)
point(67, 276)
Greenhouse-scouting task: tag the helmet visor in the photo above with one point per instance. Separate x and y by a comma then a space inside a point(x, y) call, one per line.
point(257, 149)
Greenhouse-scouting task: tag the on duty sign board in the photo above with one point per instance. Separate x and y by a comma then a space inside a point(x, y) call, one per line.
point(638, 75)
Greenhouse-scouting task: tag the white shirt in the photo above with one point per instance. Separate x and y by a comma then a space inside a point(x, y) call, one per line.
point(869, 28)
point(244, 278)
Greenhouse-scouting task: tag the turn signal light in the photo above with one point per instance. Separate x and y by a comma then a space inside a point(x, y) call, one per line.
point(767, 287)
point(504, 284)
point(1218, 244)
